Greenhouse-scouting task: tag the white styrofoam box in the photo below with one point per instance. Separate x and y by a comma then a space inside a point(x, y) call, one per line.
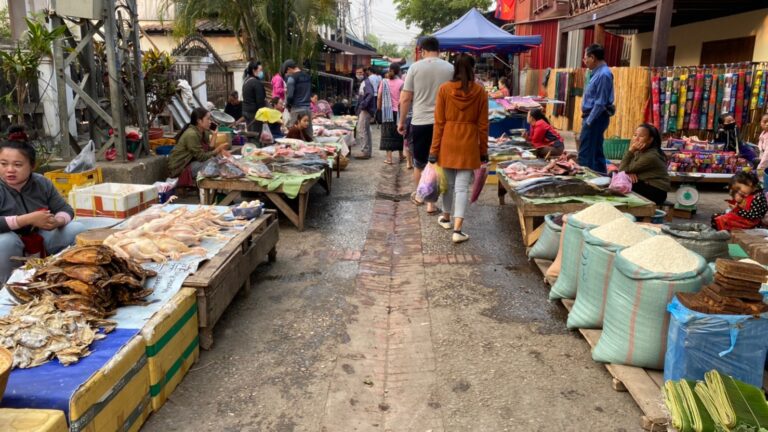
point(115, 200)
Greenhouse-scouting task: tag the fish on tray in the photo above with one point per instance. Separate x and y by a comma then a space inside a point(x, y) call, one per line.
point(557, 187)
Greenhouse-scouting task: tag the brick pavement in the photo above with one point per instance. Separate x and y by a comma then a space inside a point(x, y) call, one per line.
point(385, 377)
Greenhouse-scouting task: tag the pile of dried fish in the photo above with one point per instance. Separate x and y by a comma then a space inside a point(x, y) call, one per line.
point(38, 331)
point(157, 235)
point(91, 280)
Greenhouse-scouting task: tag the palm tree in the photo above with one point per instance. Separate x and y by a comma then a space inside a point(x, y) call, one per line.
point(268, 30)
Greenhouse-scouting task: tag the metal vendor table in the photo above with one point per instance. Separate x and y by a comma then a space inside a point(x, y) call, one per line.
point(532, 215)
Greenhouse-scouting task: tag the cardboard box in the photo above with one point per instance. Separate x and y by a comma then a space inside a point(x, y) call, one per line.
point(28, 420)
point(115, 200)
point(172, 344)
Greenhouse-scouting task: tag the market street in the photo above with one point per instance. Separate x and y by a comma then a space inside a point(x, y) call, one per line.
point(371, 319)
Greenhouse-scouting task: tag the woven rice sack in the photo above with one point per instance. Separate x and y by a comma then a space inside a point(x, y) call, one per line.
point(636, 318)
point(553, 272)
point(547, 246)
point(594, 282)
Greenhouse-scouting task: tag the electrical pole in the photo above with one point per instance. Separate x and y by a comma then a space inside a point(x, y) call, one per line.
point(366, 19)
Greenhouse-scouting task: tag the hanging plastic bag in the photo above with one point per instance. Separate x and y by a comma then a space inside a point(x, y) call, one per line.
point(442, 180)
point(266, 137)
point(429, 185)
point(481, 175)
point(84, 161)
point(621, 183)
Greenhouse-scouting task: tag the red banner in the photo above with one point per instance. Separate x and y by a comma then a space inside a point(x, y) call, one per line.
point(505, 10)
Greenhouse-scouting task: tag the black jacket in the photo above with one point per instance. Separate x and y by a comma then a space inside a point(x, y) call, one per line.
point(38, 193)
point(254, 96)
point(298, 90)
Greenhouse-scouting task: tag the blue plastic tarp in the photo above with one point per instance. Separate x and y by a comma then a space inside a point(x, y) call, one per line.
point(51, 385)
point(473, 32)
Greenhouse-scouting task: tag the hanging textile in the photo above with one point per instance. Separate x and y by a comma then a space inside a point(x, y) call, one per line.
point(747, 91)
point(717, 85)
point(756, 86)
point(655, 99)
point(734, 92)
point(683, 96)
point(667, 99)
point(738, 103)
point(763, 90)
point(690, 88)
point(705, 101)
point(673, 105)
point(724, 94)
point(698, 90)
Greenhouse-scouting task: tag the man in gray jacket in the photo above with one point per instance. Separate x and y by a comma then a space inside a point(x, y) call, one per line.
point(298, 93)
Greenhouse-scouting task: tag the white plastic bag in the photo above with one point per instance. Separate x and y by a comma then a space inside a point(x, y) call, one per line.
point(85, 161)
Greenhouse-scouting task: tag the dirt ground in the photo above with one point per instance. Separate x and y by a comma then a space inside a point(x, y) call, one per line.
point(372, 320)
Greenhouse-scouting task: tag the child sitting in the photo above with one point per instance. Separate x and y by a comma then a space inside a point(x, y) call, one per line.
point(748, 204)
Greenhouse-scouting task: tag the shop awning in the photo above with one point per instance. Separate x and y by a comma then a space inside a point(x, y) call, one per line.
point(348, 49)
point(473, 32)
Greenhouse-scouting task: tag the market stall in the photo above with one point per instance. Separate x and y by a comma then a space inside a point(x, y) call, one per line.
point(572, 192)
point(117, 315)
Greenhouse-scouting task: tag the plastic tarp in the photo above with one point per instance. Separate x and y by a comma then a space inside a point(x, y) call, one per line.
point(636, 321)
point(697, 343)
point(473, 32)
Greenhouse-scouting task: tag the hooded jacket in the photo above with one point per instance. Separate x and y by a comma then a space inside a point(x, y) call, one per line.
point(37, 193)
point(298, 90)
point(460, 137)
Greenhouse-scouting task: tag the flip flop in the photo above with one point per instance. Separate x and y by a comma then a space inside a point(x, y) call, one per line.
point(388, 162)
point(437, 210)
point(415, 201)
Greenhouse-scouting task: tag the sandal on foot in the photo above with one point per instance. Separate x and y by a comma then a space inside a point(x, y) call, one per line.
point(437, 210)
point(415, 201)
point(388, 162)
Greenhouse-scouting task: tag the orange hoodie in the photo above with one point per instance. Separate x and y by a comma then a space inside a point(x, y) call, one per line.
point(460, 136)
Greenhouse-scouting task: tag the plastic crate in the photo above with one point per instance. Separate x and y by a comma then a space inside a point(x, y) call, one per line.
point(615, 148)
point(64, 182)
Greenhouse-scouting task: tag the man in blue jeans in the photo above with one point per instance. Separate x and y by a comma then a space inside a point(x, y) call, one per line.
point(596, 108)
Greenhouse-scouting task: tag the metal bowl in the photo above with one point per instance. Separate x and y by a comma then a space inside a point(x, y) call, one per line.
point(221, 117)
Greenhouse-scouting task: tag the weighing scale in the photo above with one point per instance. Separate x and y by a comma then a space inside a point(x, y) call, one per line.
point(686, 197)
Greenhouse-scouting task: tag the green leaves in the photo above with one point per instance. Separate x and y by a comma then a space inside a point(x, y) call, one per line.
point(158, 83)
point(431, 15)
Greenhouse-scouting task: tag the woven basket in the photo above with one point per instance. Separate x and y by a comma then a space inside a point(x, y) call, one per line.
point(615, 148)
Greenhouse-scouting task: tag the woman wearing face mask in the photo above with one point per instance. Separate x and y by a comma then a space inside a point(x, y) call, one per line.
point(254, 95)
point(34, 217)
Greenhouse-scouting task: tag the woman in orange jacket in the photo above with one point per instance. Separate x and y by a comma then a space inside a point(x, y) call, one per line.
point(460, 140)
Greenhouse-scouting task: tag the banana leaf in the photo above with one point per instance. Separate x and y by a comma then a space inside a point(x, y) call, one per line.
point(733, 405)
point(675, 400)
point(700, 418)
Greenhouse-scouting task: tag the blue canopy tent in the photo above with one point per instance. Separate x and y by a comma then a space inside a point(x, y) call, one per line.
point(474, 33)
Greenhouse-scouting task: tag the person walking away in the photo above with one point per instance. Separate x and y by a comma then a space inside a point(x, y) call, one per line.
point(366, 109)
point(278, 85)
point(646, 165)
point(420, 90)
point(254, 95)
point(596, 109)
point(34, 217)
point(388, 105)
point(234, 107)
point(298, 93)
point(460, 140)
point(375, 79)
point(298, 130)
point(543, 137)
point(747, 204)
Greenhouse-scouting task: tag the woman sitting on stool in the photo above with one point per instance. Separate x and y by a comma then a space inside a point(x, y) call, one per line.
point(646, 165)
point(34, 217)
point(194, 147)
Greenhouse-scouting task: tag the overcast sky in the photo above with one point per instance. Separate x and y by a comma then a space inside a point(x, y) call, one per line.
point(384, 22)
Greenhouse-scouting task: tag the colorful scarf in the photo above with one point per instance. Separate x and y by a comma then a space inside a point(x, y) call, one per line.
point(698, 87)
point(673, 105)
point(738, 102)
point(763, 90)
point(705, 101)
point(724, 101)
point(691, 84)
point(713, 101)
point(683, 97)
point(655, 101)
point(734, 92)
point(756, 86)
point(747, 93)
point(666, 100)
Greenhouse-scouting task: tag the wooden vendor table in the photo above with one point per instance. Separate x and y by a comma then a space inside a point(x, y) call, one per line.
point(236, 186)
point(677, 177)
point(532, 215)
point(218, 280)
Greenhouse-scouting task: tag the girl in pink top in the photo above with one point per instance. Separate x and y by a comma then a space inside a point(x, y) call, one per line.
point(763, 143)
point(278, 87)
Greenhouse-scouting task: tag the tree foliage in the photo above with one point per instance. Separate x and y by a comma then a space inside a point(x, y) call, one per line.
point(431, 15)
point(268, 30)
point(388, 49)
point(5, 23)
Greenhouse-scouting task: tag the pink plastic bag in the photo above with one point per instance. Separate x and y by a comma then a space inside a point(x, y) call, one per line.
point(621, 183)
point(481, 175)
point(429, 184)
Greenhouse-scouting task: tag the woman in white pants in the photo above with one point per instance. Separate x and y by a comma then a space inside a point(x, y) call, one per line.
point(460, 140)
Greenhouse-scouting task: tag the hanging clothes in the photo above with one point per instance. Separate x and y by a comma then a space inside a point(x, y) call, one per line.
point(763, 90)
point(673, 105)
point(738, 106)
point(734, 92)
point(655, 101)
point(712, 109)
point(746, 93)
point(690, 88)
point(725, 106)
point(681, 107)
point(756, 86)
point(698, 90)
point(705, 101)
point(667, 81)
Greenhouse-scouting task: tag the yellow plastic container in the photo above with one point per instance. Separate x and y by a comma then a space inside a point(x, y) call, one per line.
point(172, 344)
point(32, 420)
point(492, 178)
point(116, 397)
point(64, 182)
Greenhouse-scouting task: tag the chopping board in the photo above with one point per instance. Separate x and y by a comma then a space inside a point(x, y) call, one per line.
point(94, 237)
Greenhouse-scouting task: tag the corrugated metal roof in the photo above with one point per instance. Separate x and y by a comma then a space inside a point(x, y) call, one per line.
point(203, 26)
